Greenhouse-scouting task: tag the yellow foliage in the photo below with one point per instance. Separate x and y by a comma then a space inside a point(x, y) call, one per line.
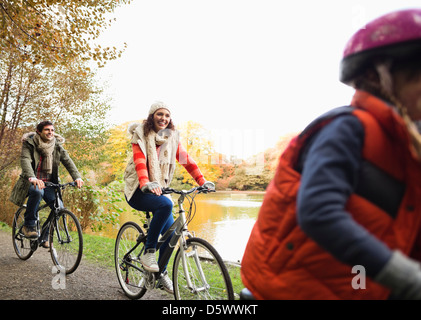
point(118, 148)
point(200, 148)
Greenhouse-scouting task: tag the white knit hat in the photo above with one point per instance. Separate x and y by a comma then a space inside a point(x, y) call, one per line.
point(158, 105)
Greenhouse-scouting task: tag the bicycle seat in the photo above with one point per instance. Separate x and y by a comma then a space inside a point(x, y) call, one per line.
point(246, 294)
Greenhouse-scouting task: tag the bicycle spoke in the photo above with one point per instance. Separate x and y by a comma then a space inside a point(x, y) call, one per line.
point(130, 273)
point(22, 245)
point(66, 241)
point(199, 273)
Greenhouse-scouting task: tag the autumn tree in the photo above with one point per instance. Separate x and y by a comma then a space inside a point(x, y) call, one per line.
point(53, 32)
point(43, 66)
point(200, 147)
point(72, 100)
point(118, 149)
point(256, 172)
point(47, 47)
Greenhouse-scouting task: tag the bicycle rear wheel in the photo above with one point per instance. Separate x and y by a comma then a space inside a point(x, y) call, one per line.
point(129, 270)
point(22, 245)
point(66, 241)
point(199, 273)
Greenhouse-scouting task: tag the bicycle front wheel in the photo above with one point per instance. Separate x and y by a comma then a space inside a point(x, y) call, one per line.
point(129, 270)
point(66, 241)
point(22, 245)
point(200, 274)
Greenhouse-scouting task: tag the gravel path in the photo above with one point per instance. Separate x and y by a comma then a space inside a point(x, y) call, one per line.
point(32, 279)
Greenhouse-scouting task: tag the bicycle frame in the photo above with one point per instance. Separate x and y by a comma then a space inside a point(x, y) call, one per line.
point(59, 226)
point(53, 213)
point(177, 232)
point(198, 269)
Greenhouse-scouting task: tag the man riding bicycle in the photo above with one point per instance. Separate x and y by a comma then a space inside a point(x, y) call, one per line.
point(42, 152)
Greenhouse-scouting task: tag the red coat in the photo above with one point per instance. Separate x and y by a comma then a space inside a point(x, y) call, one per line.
point(281, 262)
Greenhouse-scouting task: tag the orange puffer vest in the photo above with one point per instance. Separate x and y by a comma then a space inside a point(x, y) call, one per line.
point(281, 262)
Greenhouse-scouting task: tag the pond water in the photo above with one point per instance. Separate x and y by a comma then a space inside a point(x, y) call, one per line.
point(224, 219)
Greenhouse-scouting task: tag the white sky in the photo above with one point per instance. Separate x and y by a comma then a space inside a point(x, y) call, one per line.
point(249, 71)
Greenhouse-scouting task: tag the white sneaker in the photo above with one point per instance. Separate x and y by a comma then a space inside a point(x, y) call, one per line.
point(148, 261)
point(165, 283)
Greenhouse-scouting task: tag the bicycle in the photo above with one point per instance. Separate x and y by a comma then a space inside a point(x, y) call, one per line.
point(198, 270)
point(63, 229)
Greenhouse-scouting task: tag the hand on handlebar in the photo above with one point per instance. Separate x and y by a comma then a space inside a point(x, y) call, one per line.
point(79, 183)
point(157, 191)
point(209, 185)
point(152, 187)
point(37, 183)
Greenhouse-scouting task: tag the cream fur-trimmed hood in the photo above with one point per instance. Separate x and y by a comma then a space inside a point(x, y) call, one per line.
point(31, 135)
point(132, 127)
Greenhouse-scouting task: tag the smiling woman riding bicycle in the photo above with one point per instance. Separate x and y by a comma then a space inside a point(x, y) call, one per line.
point(156, 145)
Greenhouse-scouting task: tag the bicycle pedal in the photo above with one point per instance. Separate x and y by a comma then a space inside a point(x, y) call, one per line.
point(149, 280)
point(34, 245)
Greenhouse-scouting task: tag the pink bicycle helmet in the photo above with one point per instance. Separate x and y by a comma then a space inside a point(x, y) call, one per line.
point(396, 35)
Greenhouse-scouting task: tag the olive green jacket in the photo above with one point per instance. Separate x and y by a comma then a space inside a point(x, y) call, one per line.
point(29, 160)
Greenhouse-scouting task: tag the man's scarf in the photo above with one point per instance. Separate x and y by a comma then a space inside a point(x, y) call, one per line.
point(46, 150)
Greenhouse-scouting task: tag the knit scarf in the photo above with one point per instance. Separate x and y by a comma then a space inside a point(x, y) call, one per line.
point(46, 150)
point(159, 169)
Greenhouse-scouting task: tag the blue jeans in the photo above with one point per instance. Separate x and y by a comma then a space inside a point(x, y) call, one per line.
point(34, 198)
point(162, 219)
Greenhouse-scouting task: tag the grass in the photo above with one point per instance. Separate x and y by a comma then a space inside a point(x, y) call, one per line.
point(100, 250)
point(5, 227)
point(234, 271)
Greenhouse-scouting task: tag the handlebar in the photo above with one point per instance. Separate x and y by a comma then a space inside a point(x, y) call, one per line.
point(59, 185)
point(190, 195)
point(199, 189)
